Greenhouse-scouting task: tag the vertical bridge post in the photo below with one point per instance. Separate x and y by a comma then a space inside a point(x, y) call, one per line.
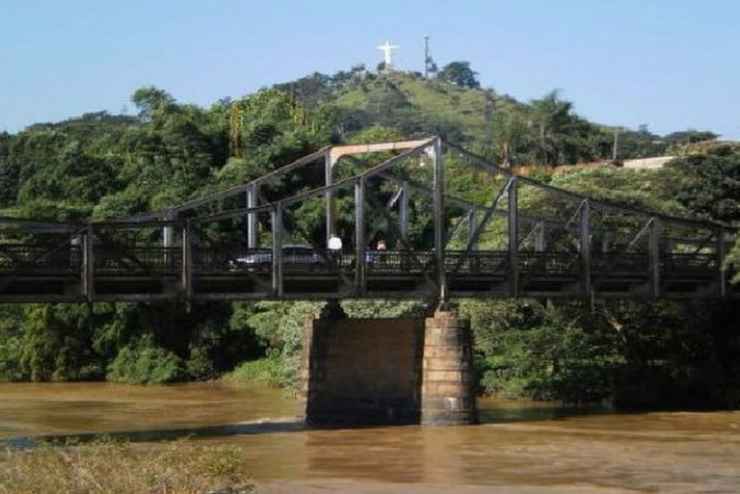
point(360, 241)
point(277, 250)
point(168, 239)
point(252, 193)
point(88, 264)
point(656, 229)
point(329, 195)
point(472, 227)
point(403, 211)
point(439, 219)
point(513, 220)
point(585, 242)
point(187, 261)
point(539, 237)
point(721, 254)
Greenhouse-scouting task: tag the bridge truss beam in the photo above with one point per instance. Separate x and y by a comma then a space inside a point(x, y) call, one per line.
point(128, 260)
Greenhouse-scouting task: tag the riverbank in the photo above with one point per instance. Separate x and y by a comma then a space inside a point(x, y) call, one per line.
point(112, 467)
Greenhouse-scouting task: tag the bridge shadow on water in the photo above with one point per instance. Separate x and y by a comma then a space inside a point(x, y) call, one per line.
point(539, 412)
point(488, 416)
point(281, 425)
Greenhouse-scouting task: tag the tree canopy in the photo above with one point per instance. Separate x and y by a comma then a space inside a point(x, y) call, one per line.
point(459, 73)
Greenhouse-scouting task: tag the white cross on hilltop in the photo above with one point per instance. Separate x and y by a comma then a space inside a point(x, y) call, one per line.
point(387, 50)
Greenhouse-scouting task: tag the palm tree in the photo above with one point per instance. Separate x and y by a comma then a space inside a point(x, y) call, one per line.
point(550, 117)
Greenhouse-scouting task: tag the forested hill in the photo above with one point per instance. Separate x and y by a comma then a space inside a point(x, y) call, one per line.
point(546, 130)
point(102, 165)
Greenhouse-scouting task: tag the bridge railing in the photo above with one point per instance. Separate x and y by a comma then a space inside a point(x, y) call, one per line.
point(399, 262)
point(549, 264)
point(319, 261)
point(35, 259)
point(605, 264)
point(678, 265)
point(459, 262)
point(235, 258)
point(116, 260)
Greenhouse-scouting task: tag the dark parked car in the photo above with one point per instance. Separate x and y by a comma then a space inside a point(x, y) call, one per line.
point(292, 254)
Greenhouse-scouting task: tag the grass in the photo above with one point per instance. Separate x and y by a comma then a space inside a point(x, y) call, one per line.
point(461, 106)
point(114, 467)
point(269, 371)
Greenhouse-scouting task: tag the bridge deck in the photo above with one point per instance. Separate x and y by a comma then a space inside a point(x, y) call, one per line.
point(160, 273)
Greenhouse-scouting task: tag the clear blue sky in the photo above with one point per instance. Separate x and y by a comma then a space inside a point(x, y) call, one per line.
point(671, 64)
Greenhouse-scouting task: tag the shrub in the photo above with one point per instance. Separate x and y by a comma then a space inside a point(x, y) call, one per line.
point(10, 368)
point(200, 365)
point(143, 362)
point(270, 370)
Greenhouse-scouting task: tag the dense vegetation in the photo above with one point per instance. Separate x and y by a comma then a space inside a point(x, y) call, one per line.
point(101, 165)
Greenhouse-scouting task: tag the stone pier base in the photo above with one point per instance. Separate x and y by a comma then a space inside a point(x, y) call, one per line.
point(387, 371)
point(448, 388)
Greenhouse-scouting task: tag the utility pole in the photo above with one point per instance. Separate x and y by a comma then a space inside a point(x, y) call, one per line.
point(426, 57)
point(615, 148)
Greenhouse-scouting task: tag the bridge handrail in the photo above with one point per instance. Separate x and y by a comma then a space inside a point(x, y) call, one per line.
point(113, 259)
point(66, 257)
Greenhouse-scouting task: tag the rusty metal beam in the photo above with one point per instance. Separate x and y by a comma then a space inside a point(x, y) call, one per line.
point(360, 241)
point(585, 235)
point(513, 231)
point(656, 230)
point(440, 220)
point(277, 250)
point(252, 201)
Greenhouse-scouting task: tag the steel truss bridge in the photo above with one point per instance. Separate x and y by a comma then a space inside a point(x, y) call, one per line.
point(239, 244)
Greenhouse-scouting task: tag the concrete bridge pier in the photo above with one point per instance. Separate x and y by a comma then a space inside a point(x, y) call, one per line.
point(386, 371)
point(448, 387)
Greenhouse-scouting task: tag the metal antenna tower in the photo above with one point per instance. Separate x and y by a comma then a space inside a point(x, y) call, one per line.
point(426, 57)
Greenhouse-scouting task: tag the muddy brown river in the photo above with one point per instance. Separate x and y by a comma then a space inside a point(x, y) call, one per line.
point(519, 446)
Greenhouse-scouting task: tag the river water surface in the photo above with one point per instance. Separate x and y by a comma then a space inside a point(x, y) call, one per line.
point(519, 446)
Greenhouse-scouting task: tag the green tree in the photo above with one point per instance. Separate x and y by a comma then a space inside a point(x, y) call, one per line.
point(56, 344)
point(551, 117)
point(509, 131)
point(689, 136)
point(709, 182)
point(151, 102)
point(459, 73)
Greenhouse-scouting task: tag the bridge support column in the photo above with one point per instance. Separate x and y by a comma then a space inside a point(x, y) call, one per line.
point(447, 392)
point(386, 371)
point(360, 371)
